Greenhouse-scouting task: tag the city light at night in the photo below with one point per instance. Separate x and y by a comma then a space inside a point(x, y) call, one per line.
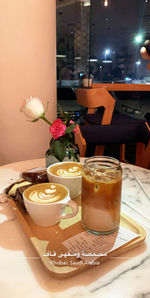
point(138, 38)
point(105, 3)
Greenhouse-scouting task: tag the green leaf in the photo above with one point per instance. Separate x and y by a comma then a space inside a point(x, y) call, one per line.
point(61, 111)
point(51, 142)
point(70, 128)
point(64, 115)
point(71, 136)
point(42, 115)
point(59, 150)
point(66, 141)
point(46, 107)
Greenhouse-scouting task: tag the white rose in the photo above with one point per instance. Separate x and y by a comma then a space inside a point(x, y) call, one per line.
point(32, 108)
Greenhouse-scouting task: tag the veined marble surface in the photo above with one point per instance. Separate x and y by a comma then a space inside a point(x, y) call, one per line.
point(126, 276)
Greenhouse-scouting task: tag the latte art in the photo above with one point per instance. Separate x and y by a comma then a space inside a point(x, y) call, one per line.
point(72, 172)
point(49, 195)
point(46, 193)
point(67, 170)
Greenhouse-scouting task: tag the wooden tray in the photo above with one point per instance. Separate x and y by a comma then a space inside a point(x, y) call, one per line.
point(45, 239)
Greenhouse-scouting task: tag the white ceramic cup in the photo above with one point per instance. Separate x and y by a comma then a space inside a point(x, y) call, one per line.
point(73, 183)
point(49, 214)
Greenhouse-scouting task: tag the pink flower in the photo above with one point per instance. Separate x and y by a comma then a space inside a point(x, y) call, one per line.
point(57, 129)
point(76, 128)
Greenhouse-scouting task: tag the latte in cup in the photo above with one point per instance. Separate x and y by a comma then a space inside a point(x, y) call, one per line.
point(46, 193)
point(46, 202)
point(67, 169)
point(67, 173)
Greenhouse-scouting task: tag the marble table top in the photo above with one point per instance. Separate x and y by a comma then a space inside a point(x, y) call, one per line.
point(22, 273)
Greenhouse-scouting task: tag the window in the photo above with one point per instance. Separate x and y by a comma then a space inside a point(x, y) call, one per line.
point(102, 39)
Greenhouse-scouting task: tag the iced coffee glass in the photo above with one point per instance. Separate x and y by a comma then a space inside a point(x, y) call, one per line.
point(101, 194)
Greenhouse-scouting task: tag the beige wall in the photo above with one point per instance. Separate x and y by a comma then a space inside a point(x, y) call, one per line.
point(27, 68)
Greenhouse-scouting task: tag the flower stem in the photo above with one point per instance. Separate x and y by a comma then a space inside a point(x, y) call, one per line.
point(45, 119)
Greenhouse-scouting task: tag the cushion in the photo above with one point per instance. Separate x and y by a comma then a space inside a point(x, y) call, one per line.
point(116, 133)
point(116, 118)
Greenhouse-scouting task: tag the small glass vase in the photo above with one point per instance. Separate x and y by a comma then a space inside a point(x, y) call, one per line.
point(72, 154)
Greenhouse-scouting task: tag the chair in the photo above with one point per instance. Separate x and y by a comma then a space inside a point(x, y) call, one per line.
point(109, 128)
point(84, 98)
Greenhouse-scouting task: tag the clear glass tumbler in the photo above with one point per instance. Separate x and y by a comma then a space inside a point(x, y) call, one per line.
point(101, 194)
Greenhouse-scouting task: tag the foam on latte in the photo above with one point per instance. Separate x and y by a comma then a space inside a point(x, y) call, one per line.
point(67, 169)
point(46, 193)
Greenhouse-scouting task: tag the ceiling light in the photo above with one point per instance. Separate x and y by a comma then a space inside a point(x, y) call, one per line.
point(87, 3)
point(77, 58)
point(107, 61)
point(105, 3)
point(61, 56)
point(93, 60)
